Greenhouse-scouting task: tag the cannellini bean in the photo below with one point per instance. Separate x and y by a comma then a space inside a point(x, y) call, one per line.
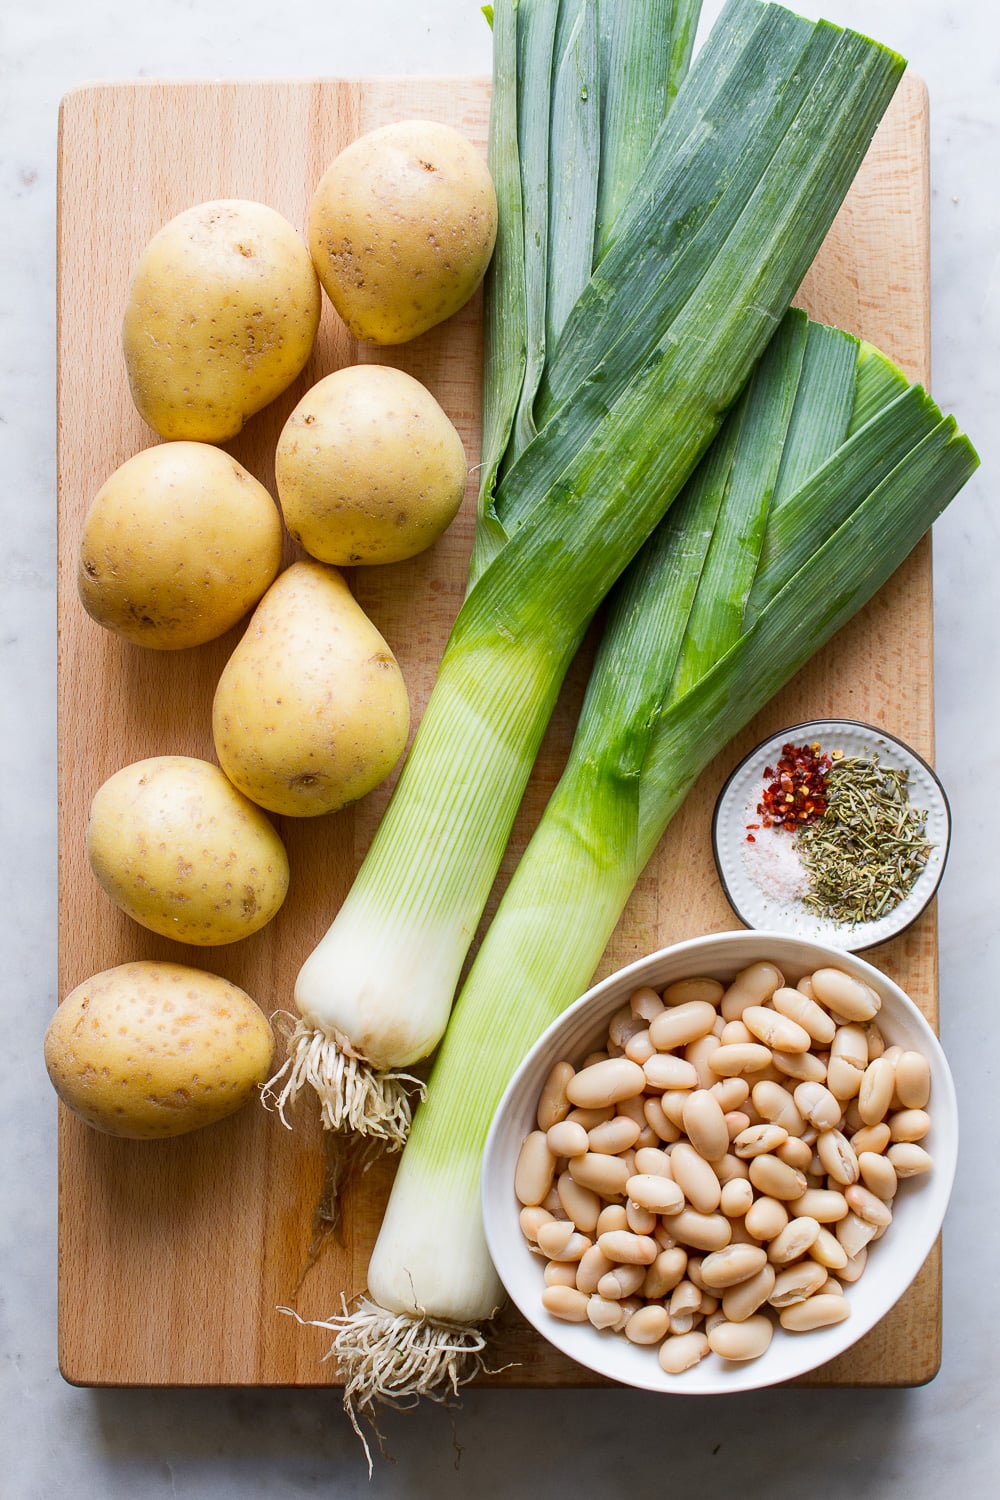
point(605, 1083)
point(818, 1105)
point(742, 1300)
point(658, 1122)
point(682, 1351)
point(816, 1312)
point(740, 1057)
point(592, 1265)
point(793, 1241)
point(684, 990)
point(737, 1197)
point(665, 1071)
point(651, 1160)
point(625, 1024)
point(909, 1125)
point(800, 1065)
point(774, 1102)
point(656, 1193)
point(729, 1167)
point(774, 1177)
point(604, 1313)
point(766, 1218)
point(640, 1046)
point(685, 1298)
point(591, 1118)
point(838, 1156)
point(854, 1265)
point(645, 1002)
point(731, 1093)
point(854, 1233)
point(867, 1206)
point(553, 1105)
point(775, 1030)
point(736, 1122)
point(535, 1169)
point(623, 1246)
point(561, 1240)
point(700, 1185)
point(665, 1272)
point(612, 1137)
point(826, 1205)
point(672, 1104)
point(752, 986)
point(565, 1302)
point(796, 1283)
point(828, 1251)
point(847, 996)
point(734, 1032)
point(913, 1080)
point(560, 1273)
point(758, 1139)
point(908, 1159)
point(871, 1138)
point(877, 1087)
point(551, 1202)
point(678, 1025)
point(640, 1220)
point(649, 1325)
point(878, 1174)
point(621, 1281)
point(804, 1010)
point(567, 1138)
point(611, 1218)
point(579, 1203)
point(795, 1152)
point(746, 1340)
point(603, 1174)
point(699, 1055)
point(724, 1268)
point(700, 1231)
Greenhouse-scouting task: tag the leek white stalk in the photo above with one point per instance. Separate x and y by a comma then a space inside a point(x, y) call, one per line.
point(697, 640)
point(741, 183)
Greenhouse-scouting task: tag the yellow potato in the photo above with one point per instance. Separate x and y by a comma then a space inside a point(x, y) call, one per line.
point(182, 852)
point(311, 710)
point(221, 316)
point(177, 545)
point(401, 229)
point(369, 468)
point(149, 1050)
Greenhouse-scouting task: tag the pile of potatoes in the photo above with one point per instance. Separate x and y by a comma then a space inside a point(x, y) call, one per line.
point(311, 711)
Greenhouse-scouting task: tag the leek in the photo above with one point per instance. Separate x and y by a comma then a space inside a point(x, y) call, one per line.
point(713, 616)
point(739, 187)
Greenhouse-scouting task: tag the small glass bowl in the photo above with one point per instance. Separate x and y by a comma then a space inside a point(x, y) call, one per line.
point(735, 855)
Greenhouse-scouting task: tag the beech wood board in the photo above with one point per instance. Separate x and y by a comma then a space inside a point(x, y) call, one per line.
point(174, 1256)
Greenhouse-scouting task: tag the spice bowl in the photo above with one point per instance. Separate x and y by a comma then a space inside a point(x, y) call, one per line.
point(760, 867)
point(893, 1259)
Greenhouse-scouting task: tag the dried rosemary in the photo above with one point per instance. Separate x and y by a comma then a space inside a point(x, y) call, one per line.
point(866, 851)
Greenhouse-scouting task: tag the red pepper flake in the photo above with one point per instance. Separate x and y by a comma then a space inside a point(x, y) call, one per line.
point(795, 789)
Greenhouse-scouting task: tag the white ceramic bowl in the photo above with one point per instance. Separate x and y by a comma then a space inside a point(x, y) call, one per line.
point(893, 1261)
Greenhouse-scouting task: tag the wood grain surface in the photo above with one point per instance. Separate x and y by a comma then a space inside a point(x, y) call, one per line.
point(174, 1256)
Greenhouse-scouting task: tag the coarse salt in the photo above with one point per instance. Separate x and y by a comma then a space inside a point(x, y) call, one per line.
point(773, 864)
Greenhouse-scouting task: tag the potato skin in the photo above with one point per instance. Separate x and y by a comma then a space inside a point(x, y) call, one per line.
point(221, 316)
point(369, 468)
point(401, 229)
point(179, 542)
point(311, 710)
point(183, 853)
point(151, 1050)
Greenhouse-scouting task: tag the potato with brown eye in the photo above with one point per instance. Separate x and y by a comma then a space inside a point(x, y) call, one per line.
point(401, 229)
point(369, 468)
point(150, 1050)
point(221, 316)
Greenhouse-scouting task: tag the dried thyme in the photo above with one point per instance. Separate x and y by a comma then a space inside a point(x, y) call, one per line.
point(867, 850)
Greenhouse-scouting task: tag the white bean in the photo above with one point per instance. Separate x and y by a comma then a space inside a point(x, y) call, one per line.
point(535, 1169)
point(553, 1104)
point(696, 1178)
point(913, 1080)
point(605, 1083)
point(775, 1030)
point(752, 986)
point(746, 1340)
point(649, 1325)
point(681, 1024)
point(682, 1352)
point(565, 1302)
point(847, 996)
point(815, 1312)
point(566, 1138)
point(908, 1159)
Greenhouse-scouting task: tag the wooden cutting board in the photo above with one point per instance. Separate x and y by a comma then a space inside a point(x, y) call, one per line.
point(174, 1256)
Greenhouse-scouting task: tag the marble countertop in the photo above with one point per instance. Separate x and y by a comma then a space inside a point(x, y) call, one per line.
point(189, 1445)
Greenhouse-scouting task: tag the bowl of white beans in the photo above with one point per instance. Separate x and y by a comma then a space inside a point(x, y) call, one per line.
point(723, 1165)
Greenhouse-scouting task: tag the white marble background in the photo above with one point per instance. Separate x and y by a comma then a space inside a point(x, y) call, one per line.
point(128, 1445)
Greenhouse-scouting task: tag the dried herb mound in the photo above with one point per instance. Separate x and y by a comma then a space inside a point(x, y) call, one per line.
point(866, 852)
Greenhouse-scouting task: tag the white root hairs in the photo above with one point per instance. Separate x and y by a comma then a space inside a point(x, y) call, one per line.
point(353, 1095)
point(395, 1358)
